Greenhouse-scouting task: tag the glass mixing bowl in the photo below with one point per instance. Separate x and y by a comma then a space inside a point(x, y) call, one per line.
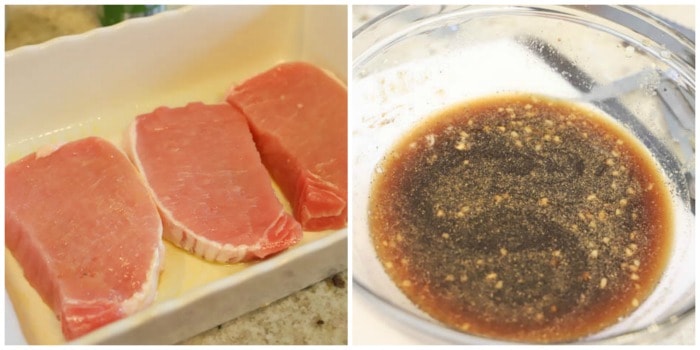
point(410, 62)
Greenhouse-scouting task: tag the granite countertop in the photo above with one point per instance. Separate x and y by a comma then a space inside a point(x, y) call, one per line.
point(314, 315)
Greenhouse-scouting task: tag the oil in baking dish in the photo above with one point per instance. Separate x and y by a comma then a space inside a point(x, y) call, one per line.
point(521, 218)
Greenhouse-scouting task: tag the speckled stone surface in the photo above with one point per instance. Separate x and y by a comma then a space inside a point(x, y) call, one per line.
point(26, 25)
point(314, 315)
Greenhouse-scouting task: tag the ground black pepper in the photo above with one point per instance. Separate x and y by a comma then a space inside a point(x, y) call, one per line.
point(521, 217)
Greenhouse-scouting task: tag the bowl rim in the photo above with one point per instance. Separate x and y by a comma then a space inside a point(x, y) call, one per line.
point(635, 19)
point(435, 328)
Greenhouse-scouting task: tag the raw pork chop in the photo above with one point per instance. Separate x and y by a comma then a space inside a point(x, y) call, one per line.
point(298, 116)
point(87, 234)
point(214, 194)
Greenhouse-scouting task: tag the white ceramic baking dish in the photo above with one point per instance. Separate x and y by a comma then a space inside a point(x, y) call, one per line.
point(96, 83)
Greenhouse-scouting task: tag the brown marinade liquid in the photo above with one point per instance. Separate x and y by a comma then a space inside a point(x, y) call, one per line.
point(521, 218)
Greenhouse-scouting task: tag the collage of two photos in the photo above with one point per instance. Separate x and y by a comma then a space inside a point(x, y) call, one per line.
point(349, 174)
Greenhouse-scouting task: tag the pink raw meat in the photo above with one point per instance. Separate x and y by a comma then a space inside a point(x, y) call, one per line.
point(298, 116)
point(87, 234)
point(214, 194)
